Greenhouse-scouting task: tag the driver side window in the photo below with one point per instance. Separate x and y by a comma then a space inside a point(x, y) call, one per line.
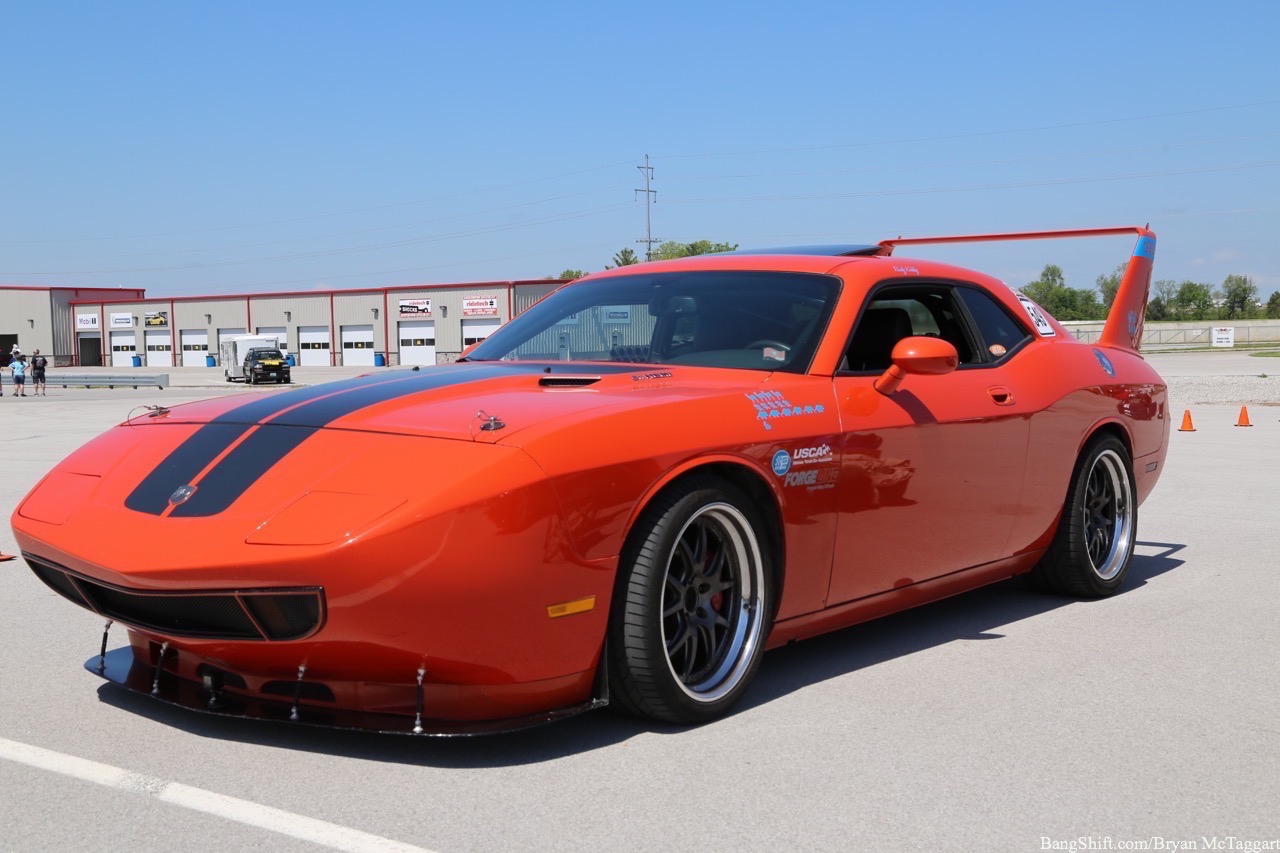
point(899, 312)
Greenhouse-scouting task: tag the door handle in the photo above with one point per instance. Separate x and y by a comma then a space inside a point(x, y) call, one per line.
point(1001, 395)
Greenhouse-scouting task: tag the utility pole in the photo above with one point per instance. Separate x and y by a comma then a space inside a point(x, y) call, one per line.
point(650, 195)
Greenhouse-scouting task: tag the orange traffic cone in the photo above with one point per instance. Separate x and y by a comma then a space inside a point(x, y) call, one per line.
point(1186, 422)
point(6, 557)
point(1243, 420)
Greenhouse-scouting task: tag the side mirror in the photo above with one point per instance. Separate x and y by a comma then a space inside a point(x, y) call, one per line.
point(920, 356)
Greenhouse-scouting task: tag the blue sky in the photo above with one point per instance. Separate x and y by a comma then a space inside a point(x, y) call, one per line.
point(230, 147)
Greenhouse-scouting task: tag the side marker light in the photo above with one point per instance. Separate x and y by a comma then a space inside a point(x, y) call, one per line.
point(568, 608)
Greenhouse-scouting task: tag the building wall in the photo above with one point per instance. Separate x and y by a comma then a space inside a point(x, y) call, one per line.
point(26, 319)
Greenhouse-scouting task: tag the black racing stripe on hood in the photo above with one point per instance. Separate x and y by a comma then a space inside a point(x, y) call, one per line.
point(191, 457)
point(282, 433)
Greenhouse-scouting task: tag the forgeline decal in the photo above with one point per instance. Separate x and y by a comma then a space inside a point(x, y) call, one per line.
point(771, 405)
point(814, 480)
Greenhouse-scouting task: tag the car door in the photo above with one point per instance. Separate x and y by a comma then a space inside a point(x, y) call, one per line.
point(931, 475)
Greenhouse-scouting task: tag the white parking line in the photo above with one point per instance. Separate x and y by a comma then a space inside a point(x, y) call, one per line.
point(230, 808)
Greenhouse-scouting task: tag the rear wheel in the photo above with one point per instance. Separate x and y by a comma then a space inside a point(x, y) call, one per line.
point(1091, 550)
point(693, 605)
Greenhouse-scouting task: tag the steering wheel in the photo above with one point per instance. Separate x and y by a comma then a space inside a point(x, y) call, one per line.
point(766, 342)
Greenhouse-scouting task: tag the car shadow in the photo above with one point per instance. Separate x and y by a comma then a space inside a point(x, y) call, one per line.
point(973, 615)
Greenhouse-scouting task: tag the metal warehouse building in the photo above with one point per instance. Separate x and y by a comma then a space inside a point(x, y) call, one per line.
point(417, 324)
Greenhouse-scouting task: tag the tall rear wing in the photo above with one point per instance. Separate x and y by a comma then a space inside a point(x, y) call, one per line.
point(1124, 321)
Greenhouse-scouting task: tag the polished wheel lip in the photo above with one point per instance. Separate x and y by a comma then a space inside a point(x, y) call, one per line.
point(730, 628)
point(1107, 513)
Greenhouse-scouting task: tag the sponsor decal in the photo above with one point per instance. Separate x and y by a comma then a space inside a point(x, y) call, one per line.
point(122, 321)
point(1133, 323)
point(1146, 248)
point(86, 321)
point(781, 462)
point(997, 350)
point(771, 405)
point(480, 306)
point(1042, 325)
point(906, 270)
point(415, 307)
point(813, 480)
point(640, 377)
point(812, 455)
point(1105, 362)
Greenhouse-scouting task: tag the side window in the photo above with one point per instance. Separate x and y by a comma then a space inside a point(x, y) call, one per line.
point(897, 312)
point(1000, 333)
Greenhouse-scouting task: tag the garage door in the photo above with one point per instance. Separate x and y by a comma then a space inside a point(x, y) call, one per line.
point(313, 346)
point(195, 346)
point(159, 348)
point(474, 331)
point(124, 346)
point(357, 346)
point(417, 341)
point(281, 333)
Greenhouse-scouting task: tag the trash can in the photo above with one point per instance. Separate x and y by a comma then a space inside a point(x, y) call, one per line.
point(209, 362)
point(137, 361)
point(290, 360)
point(379, 360)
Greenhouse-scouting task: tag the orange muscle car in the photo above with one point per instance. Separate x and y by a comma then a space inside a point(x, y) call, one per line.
point(624, 496)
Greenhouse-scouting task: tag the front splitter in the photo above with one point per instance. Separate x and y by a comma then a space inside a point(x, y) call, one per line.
point(121, 667)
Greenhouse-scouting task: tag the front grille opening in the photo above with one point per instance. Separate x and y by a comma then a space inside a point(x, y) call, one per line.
point(214, 616)
point(59, 582)
point(311, 690)
point(287, 614)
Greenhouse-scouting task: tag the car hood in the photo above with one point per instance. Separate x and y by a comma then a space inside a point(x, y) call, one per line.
point(481, 402)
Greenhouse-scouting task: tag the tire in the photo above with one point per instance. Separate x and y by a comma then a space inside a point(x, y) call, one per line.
point(251, 379)
point(1091, 550)
point(693, 604)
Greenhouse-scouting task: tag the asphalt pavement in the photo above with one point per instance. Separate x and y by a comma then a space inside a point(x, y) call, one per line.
point(997, 720)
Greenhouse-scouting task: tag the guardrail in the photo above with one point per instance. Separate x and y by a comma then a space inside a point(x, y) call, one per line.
point(110, 380)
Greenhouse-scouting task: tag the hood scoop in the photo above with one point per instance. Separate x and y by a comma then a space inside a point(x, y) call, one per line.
point(567, 381)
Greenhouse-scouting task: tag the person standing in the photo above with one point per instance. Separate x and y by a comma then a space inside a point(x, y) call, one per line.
point(38, 364)
point(19, 368)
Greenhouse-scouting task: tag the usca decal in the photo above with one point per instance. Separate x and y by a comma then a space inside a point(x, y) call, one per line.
point(781, 462)
point(1105, 362)
point(809, 455)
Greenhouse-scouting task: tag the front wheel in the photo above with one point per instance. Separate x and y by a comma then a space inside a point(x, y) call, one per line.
point(693, 605)
point(1091, 550)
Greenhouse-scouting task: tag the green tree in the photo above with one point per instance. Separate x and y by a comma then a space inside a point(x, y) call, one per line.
point(1194, 301)
point(1238, 297)
point(625, 258)
point(570, 274)
point(1163, 305)
point(1064, 303)
point(1273, 306)
point(1108, 285)
point(673, 249)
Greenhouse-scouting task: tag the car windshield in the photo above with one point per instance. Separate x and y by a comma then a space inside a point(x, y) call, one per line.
point(750, 320)
point(265, 353)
